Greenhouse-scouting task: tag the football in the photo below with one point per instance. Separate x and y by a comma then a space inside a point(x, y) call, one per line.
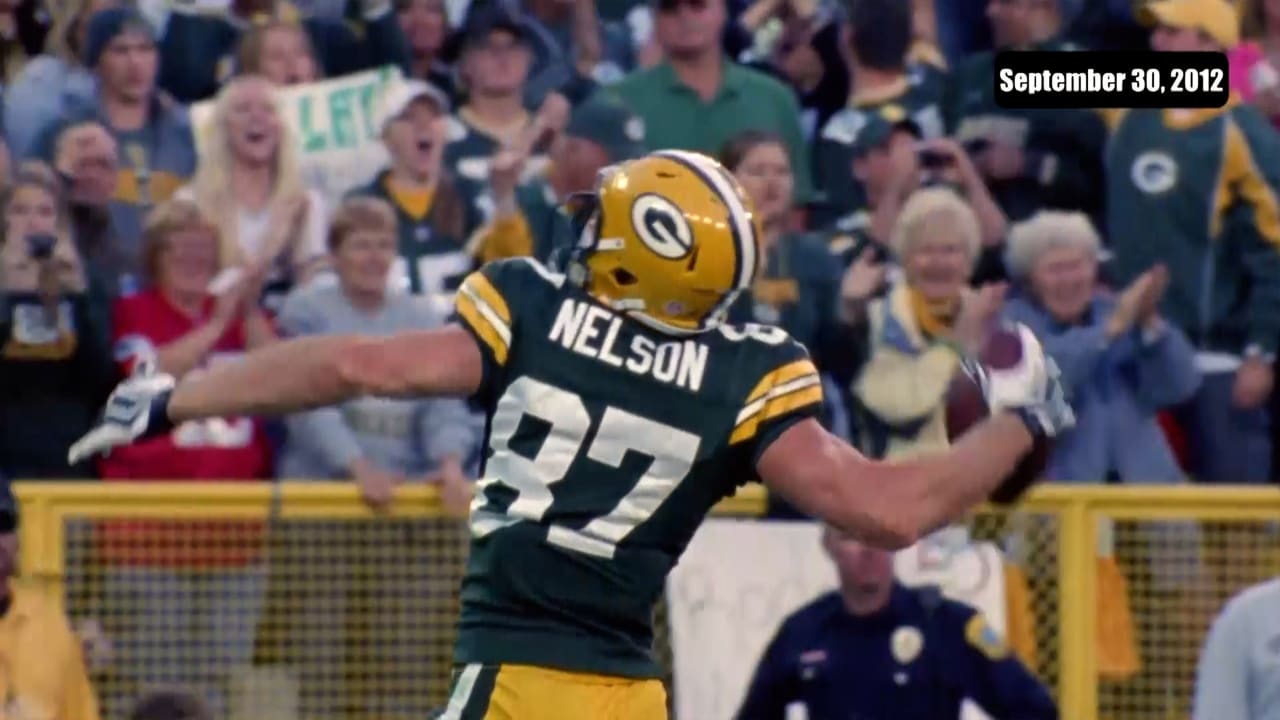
point(967, 406)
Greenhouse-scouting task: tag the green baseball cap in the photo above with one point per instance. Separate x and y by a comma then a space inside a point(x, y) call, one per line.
point(609, 124)
point(880, 125)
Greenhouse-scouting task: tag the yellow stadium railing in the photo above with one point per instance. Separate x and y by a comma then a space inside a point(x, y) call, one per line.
point(1117, 586)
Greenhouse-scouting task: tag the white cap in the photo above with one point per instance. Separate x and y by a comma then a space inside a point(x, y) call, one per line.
point(403, 94)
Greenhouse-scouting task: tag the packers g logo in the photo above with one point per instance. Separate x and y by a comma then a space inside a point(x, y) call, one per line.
point(1154, 172)
point(661, 226)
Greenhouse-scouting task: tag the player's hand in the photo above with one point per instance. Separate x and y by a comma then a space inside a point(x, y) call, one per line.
point(1032, 389)
point(137, 409)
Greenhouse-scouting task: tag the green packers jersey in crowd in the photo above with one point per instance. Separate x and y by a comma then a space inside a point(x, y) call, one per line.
point(608, 443)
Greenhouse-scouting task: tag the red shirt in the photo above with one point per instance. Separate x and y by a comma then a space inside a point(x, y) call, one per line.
point(215, 450)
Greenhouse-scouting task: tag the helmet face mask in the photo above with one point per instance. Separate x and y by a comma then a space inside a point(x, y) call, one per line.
point(668, 239)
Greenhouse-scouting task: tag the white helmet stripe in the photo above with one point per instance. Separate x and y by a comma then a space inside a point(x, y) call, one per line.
point(744, 229)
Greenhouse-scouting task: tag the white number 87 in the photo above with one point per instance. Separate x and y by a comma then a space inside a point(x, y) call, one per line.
point(673, 451)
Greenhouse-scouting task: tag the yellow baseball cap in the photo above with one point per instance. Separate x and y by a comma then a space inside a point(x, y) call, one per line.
point(1216, 18)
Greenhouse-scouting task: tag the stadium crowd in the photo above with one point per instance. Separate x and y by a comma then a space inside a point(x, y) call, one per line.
point(158, 208)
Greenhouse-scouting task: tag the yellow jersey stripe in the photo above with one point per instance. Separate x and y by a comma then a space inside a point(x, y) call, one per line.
point(486, 292)
point(807, 393)
point(487, 311)
point(781, 375)
point(486, 330)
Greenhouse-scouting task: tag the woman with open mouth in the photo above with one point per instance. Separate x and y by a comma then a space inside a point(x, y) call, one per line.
point(250, 182)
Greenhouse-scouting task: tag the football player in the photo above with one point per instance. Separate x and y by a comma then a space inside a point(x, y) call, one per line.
point(620, 409)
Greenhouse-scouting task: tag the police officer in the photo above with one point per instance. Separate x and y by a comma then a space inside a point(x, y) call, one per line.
point(876, 650)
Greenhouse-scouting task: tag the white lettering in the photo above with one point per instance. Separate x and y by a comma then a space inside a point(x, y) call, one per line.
point(611, 338)
point(693, 365)
point(568, 322)
point(641, 359)
point(667, 362)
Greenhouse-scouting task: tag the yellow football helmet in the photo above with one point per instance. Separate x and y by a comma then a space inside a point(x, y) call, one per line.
point(671, 240)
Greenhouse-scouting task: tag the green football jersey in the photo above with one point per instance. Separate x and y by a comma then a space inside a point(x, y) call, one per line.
point(608, 443)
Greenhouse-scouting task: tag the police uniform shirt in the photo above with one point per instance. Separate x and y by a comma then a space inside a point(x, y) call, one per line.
point(917, 658)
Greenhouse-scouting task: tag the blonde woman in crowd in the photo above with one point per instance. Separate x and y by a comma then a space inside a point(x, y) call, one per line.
point(55, 364)
point(250, 183)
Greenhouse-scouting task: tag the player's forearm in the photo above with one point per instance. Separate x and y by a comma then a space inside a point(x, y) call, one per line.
point(942, 487)
point(279, 379)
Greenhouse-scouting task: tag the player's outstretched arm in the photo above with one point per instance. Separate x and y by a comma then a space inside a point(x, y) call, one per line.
point(319, 371)
point(891, 504)
point(288, 377)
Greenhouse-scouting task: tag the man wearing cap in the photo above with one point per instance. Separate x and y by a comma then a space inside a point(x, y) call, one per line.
point(152, 133)
point(44, 674)
point(879, 48)
point(434, 216)
point(529, 219)
point(890, 162)
point(198, 43)
point(1196, 191)
point(874, 648)
point(697, 99)
point(494, 65)
point(1031, 159)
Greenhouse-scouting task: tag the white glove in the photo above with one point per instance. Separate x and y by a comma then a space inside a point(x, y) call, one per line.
point(137, 409)
point(1032, 389)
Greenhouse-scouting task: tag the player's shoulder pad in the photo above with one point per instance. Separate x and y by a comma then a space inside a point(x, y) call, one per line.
point(489, 298)
point(782, 377)
point(979, 635)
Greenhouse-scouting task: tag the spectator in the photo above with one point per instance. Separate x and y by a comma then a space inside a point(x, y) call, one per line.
point(1253, 63)
point(893, 165)
point(379, 444)
point(528, 218)
point(494, 65)
point(1236, 677)
point(800, 44)
point(55, 361)
point(56, 82)
point(152, 134)
point(915, 330)
point(250, 183)
point(180, 324)
point(86, 159)
point(1121, 362)
point(874, 648)
point(203, 578)
point(425, 24)
point(1219, 236)
point(1031, 159)
point(197, 46)
point(279, 51)
point(45, 675)
point(697, 99)
point(433, 218)
point(170, 705)
point(879, 42)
